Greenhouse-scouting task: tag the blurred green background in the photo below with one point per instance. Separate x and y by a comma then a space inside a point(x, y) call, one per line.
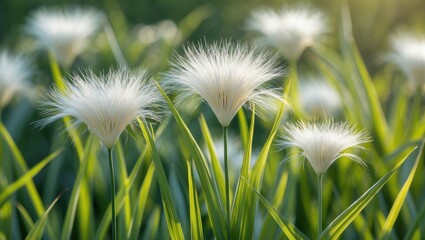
point(372, 20)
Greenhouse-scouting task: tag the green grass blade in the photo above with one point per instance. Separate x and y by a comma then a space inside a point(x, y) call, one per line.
point(38, 229)
point(215, 162)
point(136, 221)
point(103, 226)
point(265, 232)
point(246, 162)
point(29, 223)
point(337, 227)
point(380, 124)
point(192, 20)
point(195, 212)
point(122, 178)
point(363, 85)
point(289, 229)
point(214, 205)
point(26, 178)
point(60, 84)
point(75, 194)
point(153, 224)
point(22, 168)
point(414, 229)
point(173, 221)
point(239, 205)
point(243, 127)
point(398, 203)
point(247, 203)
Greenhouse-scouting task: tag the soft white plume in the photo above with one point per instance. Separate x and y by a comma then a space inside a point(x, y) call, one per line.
point(106, 103)
point(291, 30)
point(225, 75)
point(318, 98)
point(408, 52)
point(65, 32)
point(322, 143)
point(15, 74)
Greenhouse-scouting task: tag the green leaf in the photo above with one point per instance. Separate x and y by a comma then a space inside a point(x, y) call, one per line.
point(215, 162)
point(239, 213)
point(122, 178)
point(195, 212)
point(104, 224)
point(243, 127)
point(246, 204)
point(413, 230)
point(173, 221)
point(26, 216)
point(22, 168)
point(26, 178)
point(398, 203)
point(60, 84)
point(215, 211)
point(136, 221)
point(38, 228)
point(289, 229)
point(337, 227)
point(75, 194)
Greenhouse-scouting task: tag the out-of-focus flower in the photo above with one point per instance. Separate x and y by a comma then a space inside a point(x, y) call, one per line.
point(408, 52)
point(107, 104)
point(322, 143)
point(15, 73)
point(319, 99)
point(291, 30)
point(225, 75)
point(64, 32)
point(165, 30)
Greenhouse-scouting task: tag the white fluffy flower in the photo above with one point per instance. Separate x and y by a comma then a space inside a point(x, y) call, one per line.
point(291, 30)
point(323, 143)
point(106, 103)
point(408, 52)
point(225, 75)
point(64, 32)
point(318, 98)
point(15, 73)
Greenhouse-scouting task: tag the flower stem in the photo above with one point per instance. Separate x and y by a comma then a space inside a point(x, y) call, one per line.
point(319, 204)
point(294, 95)
point(115, 47)
point(111, 168)
point(226, 173)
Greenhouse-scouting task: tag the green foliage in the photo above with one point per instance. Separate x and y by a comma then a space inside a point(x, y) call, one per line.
point(272, 192)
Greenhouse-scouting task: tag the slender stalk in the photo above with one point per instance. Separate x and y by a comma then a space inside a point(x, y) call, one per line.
point(111, 168)
point(294, 93)
point(60, 84)
point(115, 47)
point(226, 174)
point(415, 111)
point(319, 205)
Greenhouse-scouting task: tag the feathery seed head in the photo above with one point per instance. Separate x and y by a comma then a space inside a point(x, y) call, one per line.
point(324, 142)
point(408, 52)
point(319, 99)
point(106, 103)
point(15, 72)
point(225, 75)
point(64, 32)
point(291, 30)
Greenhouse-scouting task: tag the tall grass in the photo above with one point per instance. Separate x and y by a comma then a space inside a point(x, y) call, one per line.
point(171, 180)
